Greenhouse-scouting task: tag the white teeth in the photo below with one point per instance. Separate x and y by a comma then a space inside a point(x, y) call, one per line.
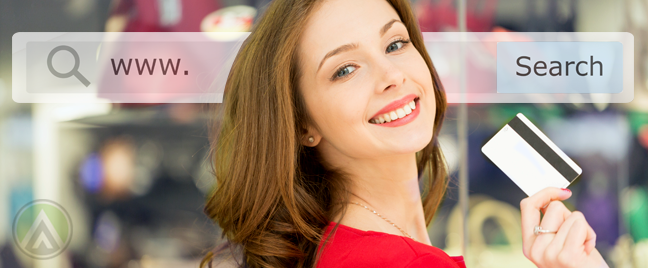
point(400, 113)
point(396, 114)
point(393, 115)
point(407, 109)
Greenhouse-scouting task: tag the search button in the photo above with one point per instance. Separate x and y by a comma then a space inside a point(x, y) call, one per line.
point(75, 69)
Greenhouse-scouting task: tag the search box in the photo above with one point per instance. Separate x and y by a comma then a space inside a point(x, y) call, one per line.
point(123, 67)
point(175, 67)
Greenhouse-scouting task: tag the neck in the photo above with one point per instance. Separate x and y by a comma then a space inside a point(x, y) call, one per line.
point(390, 186)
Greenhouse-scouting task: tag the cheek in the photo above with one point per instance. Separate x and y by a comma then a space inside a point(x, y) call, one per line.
point(341, 114)
point(420, 74)
point(335, 113)
point(418, 71)
point(345, 102)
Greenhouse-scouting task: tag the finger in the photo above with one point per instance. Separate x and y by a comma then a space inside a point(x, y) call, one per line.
point(590, 238)
point(590, 243)
point(530, 211)
point(556, 246)
point(555, 216)
point(581, 235)
point(544, 209)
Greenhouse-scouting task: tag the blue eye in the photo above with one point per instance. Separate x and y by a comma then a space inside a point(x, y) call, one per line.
point(344, 71)
point(396, 45)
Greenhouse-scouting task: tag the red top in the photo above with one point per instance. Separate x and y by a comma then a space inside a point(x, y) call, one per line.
point(354, 248)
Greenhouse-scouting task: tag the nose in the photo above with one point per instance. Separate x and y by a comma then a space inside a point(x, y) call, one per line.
point(390, 76)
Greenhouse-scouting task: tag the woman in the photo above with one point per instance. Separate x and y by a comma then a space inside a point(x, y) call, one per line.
point(331, 117)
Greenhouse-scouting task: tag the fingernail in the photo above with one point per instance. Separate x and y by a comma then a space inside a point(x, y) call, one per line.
point(565, 193)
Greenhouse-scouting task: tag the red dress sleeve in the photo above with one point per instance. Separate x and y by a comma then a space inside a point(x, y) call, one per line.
point(353, 248)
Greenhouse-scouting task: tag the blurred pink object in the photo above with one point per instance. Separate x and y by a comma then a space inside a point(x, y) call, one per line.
point(441, 16)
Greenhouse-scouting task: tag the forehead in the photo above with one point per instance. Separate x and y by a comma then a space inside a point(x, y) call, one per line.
point(339, 22)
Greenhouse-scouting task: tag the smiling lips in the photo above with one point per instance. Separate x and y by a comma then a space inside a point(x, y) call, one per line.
point(396, 110)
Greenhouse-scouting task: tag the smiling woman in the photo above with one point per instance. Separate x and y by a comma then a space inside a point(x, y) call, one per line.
point(349, 114)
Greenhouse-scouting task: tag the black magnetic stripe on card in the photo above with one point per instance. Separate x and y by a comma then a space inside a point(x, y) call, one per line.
point(543, 149)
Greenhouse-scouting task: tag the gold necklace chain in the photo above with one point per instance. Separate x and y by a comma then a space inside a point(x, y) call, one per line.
point(390, 222)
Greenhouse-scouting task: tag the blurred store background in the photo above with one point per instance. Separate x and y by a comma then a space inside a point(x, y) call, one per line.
point(133, 178)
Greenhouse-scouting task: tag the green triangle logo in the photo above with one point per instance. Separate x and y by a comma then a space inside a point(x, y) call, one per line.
point(42, 229)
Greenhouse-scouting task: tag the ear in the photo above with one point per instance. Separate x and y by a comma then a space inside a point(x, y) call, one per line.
point(310, 137)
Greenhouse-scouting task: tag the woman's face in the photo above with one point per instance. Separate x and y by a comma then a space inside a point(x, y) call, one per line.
point(359, 69)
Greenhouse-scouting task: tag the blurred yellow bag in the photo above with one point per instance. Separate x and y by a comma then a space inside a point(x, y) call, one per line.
point(480, 254)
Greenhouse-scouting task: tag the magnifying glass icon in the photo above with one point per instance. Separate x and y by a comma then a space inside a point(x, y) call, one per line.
point(75, 69)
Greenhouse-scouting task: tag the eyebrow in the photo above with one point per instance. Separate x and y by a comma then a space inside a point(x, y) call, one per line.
point(352, 46)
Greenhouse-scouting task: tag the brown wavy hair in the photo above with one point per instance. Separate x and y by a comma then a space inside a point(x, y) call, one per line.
point(273, 196)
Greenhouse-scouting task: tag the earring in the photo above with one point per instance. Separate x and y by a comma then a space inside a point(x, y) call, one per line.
point(311, 139)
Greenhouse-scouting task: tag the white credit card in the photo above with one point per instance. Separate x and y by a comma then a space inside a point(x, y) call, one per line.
point(529, 158)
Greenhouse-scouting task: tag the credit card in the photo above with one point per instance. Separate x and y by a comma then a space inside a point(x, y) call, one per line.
point(529, 158)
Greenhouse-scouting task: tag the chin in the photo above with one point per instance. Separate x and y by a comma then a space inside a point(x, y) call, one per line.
point(423, 142)
point(425, 130)
point(415, 141)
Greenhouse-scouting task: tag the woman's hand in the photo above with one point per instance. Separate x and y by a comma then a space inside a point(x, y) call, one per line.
point(572, 246)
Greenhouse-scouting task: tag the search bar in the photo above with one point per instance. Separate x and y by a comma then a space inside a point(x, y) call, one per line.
point(123, 67)
point(169, 67)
